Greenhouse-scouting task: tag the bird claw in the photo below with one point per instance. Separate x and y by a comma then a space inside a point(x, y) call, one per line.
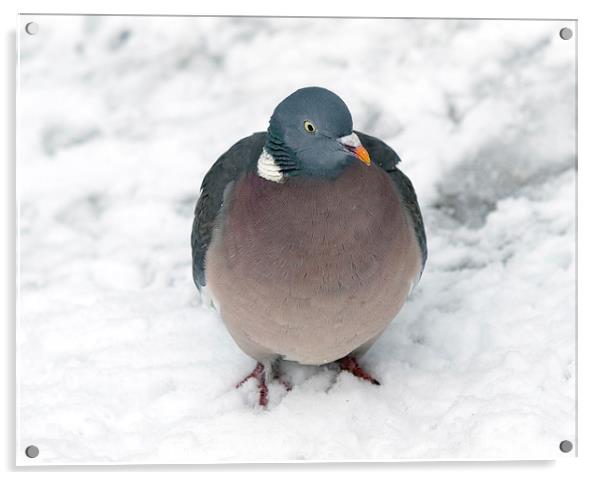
point(258, 374)
point(350, 364)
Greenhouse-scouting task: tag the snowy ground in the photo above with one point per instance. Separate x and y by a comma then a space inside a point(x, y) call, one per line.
point(120, 117)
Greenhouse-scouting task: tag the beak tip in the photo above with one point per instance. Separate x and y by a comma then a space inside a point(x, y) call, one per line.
point(352, 143)
point(362, 154)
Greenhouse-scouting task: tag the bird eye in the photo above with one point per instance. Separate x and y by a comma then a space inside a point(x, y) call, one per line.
point(309, 127)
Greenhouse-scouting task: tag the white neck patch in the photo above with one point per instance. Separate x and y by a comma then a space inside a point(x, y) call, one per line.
point(268, 169)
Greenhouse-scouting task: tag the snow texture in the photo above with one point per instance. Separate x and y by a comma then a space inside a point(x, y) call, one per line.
point(119, 119)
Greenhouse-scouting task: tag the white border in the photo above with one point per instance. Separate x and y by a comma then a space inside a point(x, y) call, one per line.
point(590, 241)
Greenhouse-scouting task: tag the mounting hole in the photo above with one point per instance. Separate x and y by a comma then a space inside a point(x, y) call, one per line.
point(32, 28)
point(566, 33)
point(32, 451)
point(566, 446)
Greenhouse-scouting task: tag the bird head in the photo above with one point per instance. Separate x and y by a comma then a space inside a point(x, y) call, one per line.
point(310, 134)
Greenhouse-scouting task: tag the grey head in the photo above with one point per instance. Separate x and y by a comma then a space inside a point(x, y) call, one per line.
point(310, 134)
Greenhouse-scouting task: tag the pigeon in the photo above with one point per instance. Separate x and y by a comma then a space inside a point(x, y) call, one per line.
point(307, 238)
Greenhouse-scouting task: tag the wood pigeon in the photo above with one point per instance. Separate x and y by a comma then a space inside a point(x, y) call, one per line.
point(307, 238)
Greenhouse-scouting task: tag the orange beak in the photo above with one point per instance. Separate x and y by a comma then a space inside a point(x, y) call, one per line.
point(361, 153)
point(352, 143)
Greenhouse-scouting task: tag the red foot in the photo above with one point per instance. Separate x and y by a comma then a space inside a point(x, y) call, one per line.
point(259, 375)
point(350, 364)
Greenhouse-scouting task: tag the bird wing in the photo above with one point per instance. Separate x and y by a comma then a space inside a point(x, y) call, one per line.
point(386, 158)
point(242, 157)
point(239, 159)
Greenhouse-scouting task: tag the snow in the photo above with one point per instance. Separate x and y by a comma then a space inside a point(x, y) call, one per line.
point(120, 117)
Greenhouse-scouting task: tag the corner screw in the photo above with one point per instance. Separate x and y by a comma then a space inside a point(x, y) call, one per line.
point(32, 28)
point(32, 451)
point(566, 33)
point(566, 446)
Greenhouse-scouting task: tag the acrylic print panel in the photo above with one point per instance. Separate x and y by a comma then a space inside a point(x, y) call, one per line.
point(119, 119)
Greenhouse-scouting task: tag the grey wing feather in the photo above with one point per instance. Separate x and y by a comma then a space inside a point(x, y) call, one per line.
point(386, 158)
point(239, 159)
